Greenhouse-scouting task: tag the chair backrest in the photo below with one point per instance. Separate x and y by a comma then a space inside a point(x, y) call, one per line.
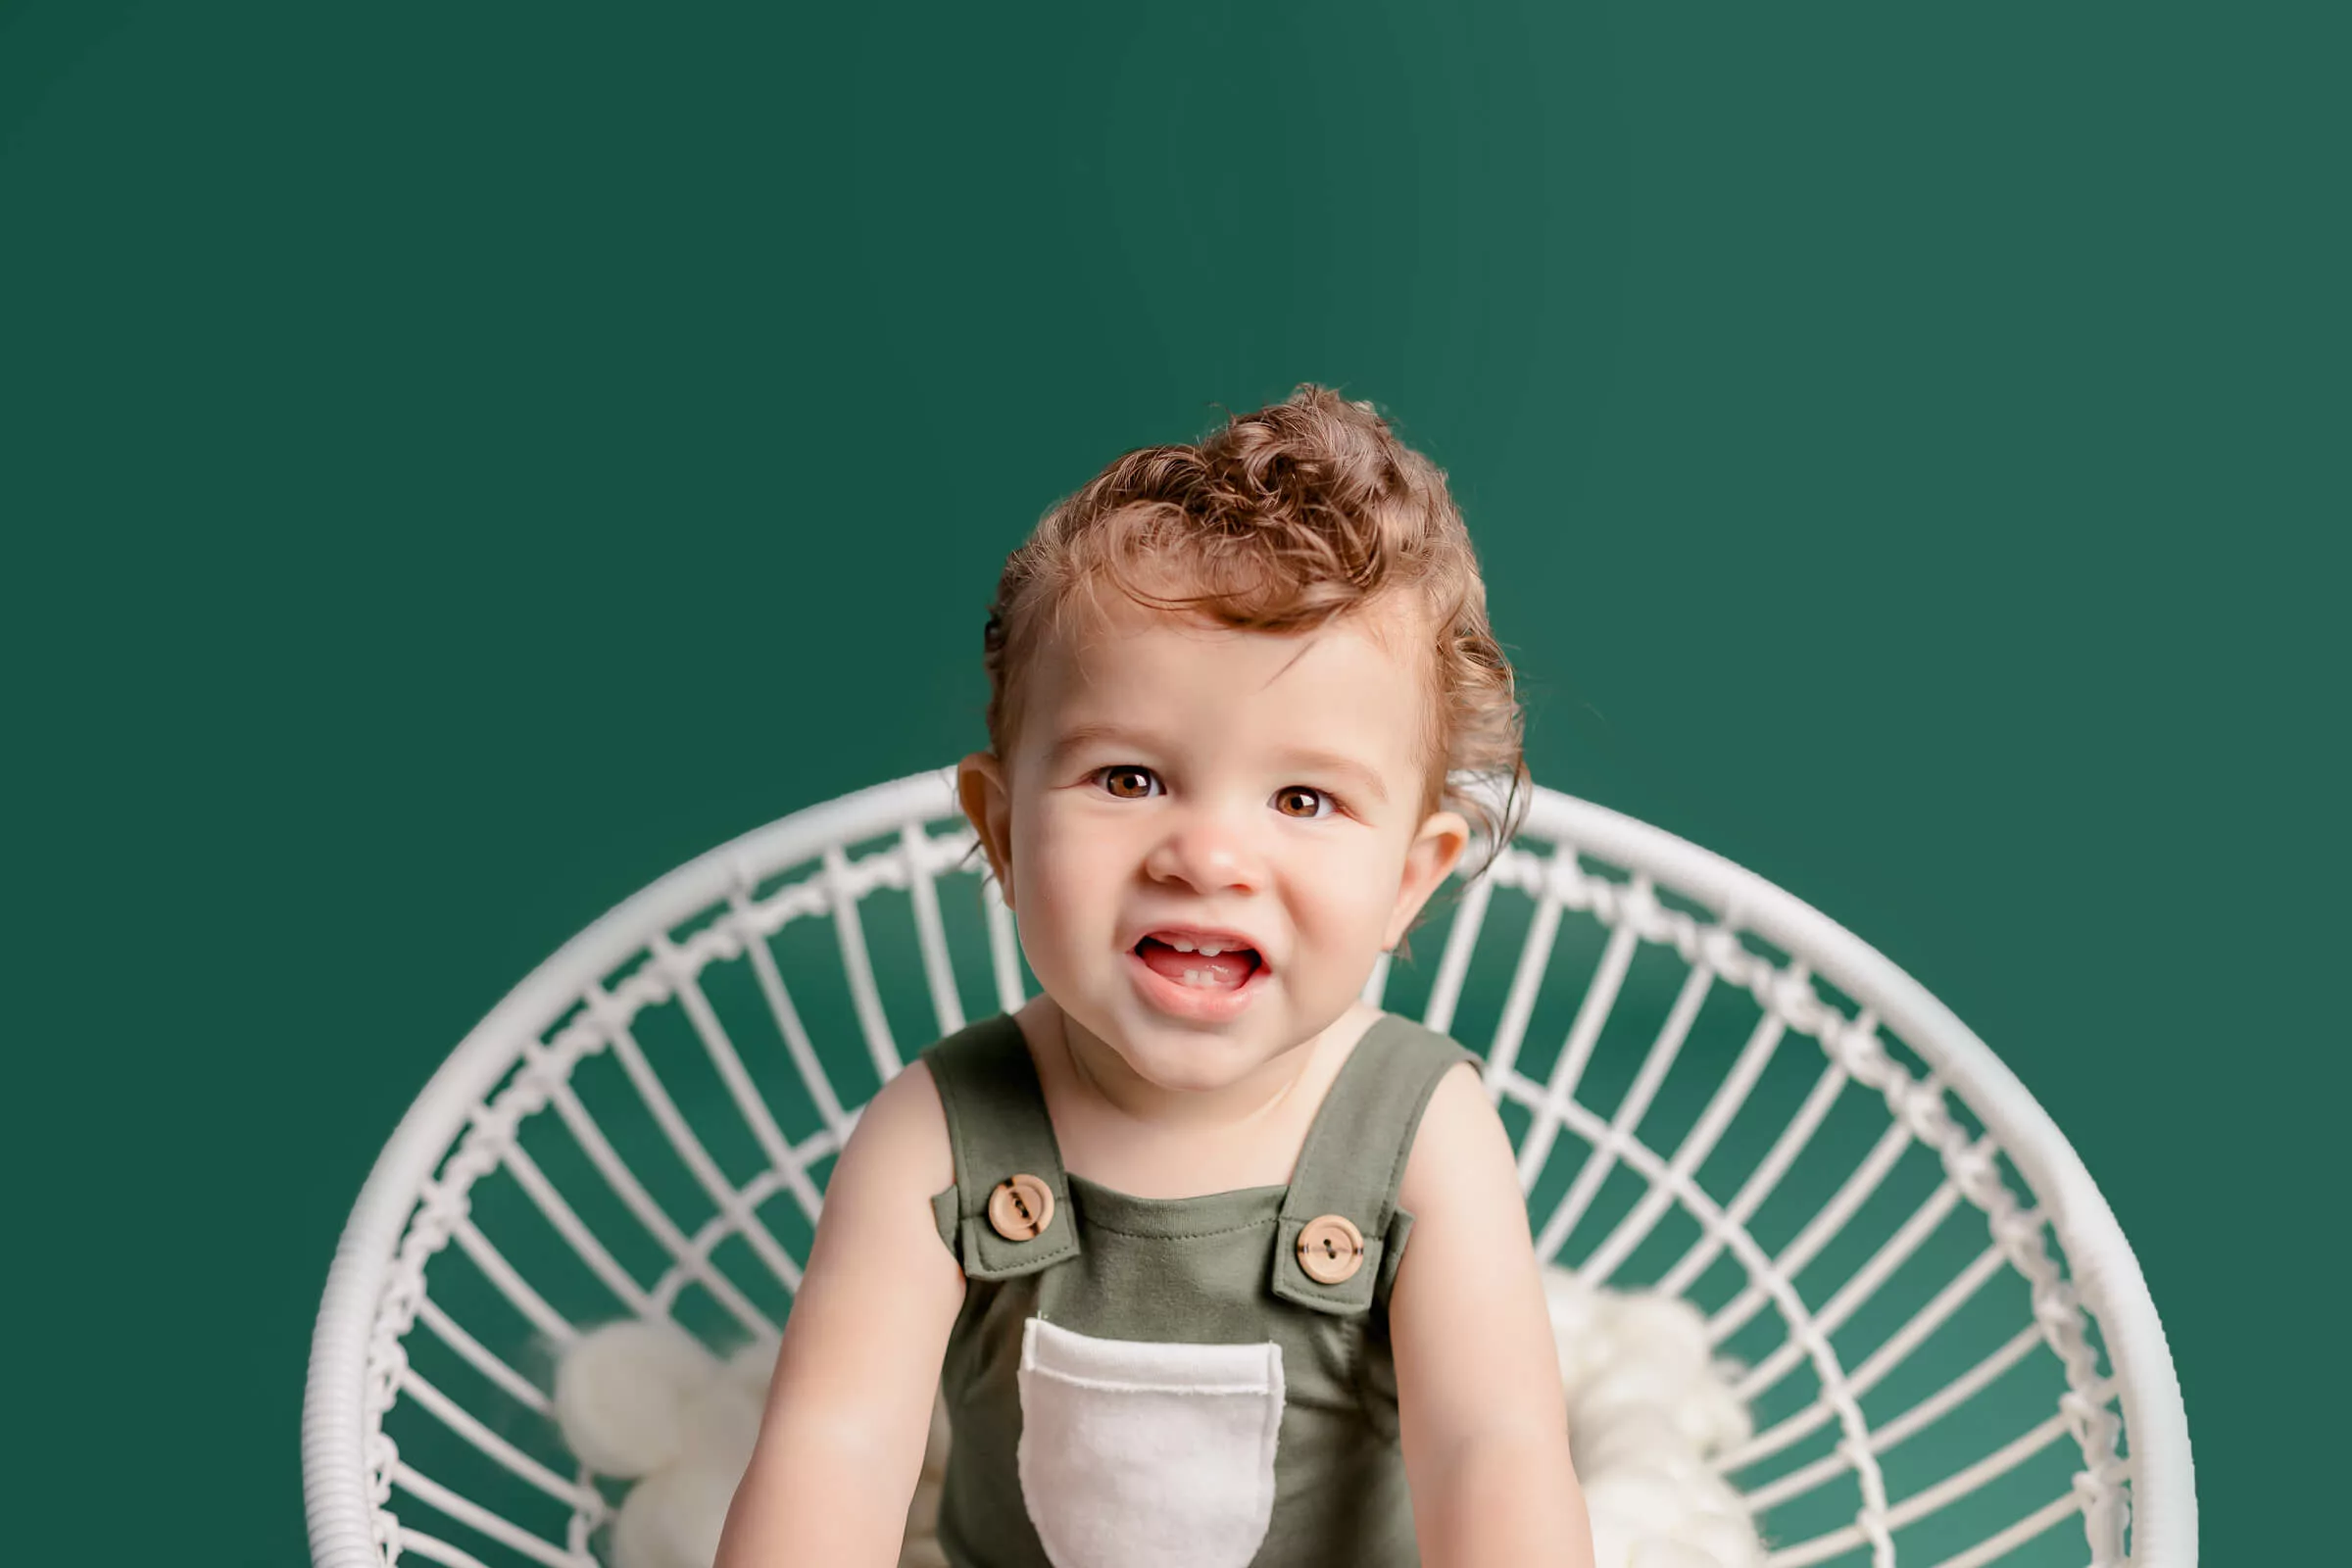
point(1714, 1090)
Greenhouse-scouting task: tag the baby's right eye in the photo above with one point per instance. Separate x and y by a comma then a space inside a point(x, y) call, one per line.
point(1119, 776)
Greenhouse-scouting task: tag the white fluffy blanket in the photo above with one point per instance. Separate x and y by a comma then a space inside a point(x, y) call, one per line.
point(1647, 1406)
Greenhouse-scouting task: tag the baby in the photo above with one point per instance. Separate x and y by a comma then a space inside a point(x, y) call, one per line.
point(1149, 1236)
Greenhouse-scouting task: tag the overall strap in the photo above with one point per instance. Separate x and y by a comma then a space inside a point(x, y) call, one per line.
point(1353, 1164)
point(999, 1129)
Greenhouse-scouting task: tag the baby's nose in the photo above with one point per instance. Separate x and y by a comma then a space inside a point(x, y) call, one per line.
point(1209, 852)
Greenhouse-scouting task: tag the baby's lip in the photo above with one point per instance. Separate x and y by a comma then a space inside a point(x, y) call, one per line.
point(1199, 935)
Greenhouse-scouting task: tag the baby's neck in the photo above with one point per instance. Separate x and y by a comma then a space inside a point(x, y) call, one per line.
point(1124, 1132)
point(1110, 1084)
point(1158, 1144)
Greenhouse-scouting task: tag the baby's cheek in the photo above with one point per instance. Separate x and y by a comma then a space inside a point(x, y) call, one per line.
point(1063, 845)
point(1068, 877)
point(1056, 906)
point(1370, 904)
point(1370, 893)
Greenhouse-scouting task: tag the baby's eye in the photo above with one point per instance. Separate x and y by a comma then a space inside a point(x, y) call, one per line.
point(1317, 803)
point(1126, 782)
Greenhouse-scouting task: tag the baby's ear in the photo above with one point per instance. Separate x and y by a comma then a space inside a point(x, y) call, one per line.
point(988, 806)
point(1432, 855)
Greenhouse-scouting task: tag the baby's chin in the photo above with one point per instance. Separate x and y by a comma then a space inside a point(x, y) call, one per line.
point(1181, 1057)
point(1191, 1066)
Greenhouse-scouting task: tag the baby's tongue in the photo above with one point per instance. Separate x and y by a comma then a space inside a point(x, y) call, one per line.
point(1226, 970)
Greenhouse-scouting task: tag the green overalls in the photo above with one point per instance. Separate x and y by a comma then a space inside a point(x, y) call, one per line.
point(1152, 1382)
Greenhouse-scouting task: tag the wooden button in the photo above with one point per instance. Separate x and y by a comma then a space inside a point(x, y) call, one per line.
point(1021, 1207)
point(1331, 1250)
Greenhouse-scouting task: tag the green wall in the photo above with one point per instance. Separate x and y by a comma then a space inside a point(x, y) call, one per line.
point(461, 460)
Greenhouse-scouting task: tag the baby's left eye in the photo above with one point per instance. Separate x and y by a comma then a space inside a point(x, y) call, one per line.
point(1317, 803)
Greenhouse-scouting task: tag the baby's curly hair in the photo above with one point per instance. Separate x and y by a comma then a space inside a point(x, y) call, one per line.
point(1282, 520)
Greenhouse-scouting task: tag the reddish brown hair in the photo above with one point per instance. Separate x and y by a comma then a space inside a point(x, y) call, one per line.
point(1285, 518)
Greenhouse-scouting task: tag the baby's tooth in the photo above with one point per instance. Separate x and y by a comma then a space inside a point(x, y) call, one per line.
point(1207, 951)
point(1180, 946)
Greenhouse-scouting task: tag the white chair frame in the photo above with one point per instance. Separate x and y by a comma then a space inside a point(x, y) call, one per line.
point(412, 1203)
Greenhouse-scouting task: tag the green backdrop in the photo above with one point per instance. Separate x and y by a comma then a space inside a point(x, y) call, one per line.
point(461, 460)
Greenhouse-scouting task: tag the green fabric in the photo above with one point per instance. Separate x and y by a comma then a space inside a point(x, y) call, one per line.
point(1218, 1269)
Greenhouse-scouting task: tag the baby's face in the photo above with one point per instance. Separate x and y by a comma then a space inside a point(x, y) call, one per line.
point(1179, 785)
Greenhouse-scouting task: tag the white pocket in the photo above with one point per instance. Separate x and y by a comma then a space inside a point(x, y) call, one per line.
point(1144, 1455)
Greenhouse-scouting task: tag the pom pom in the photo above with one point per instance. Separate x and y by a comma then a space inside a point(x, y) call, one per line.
point(673, 1519)
point(1648, 1404)
point(753, 1367)
point(622, 1392)
point(1726, 1535)
point(719, 1427)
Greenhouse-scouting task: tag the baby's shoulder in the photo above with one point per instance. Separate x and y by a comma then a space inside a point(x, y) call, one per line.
point(903, 1131)
point(962, 1084)
point(1459, 1132)
point(1411, 1064)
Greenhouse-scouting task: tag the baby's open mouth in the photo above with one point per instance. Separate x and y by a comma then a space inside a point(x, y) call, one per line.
point(1225, 970)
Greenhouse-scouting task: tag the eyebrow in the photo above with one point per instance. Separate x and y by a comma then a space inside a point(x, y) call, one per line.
point(1346, 766)
point(1084, 735)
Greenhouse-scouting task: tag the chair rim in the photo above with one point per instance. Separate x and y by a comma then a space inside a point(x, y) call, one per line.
point(2104, 1271)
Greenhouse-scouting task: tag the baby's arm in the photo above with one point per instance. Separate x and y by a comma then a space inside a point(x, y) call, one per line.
point(1478, 1383)
point(841, 1443)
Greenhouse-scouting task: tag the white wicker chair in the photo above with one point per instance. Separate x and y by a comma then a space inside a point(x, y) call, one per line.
point(1949, 1342)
